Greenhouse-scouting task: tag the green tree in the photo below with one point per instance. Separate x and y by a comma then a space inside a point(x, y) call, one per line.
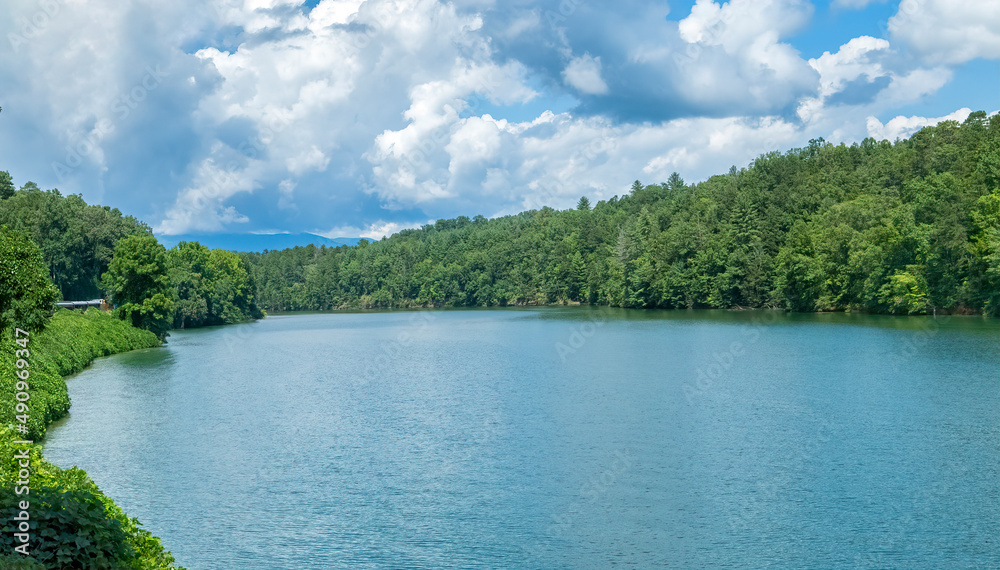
point(188, 268)
point(675, 183)
point(906, 292)
point(985, 248)
point(26, 293)
point(904, 227)
point(76, 239)
point(137, 281)
point(213, 287)
point(229, 291)
point(6, 185)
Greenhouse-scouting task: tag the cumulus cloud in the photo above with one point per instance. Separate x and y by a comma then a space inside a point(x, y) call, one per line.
point(901, 127)
point(201, 206)
point(556, 158)
point(734, 54)
point(286, 189)
point(374, 231)
point(864, 77)
point(947, 32)
point(584, 74)
point(403, 160)
point(853, 60)
point(368, 116)
point(739, 23)
point(343, 59)
point(311, 159)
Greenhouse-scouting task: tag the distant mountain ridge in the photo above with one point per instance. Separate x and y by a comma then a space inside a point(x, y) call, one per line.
point(256, 242)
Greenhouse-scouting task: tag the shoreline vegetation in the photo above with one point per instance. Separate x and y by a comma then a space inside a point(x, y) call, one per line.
point(910, 227)
point(904, 228)
point(72, 523)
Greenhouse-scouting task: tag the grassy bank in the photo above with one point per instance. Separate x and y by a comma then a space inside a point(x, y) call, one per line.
point(72, 523)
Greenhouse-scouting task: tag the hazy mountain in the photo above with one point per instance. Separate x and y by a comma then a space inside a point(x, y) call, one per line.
point(256, 242)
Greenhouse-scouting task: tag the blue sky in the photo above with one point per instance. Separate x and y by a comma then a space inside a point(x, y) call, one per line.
point(362, 117)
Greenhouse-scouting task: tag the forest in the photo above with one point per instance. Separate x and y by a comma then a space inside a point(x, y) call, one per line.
point(95, 251)
point(910, 227)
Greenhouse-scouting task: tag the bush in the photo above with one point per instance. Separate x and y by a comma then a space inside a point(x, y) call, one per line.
point(74, 525)
point(69, 343)
point(26, 293)
point(20, 562)
point(70, 529)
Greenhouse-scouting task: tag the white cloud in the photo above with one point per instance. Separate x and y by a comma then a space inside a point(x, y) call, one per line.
point(312, 159)
point(477, 140)
point(918, 83)
point(364, 103)
point(330, 12)
point(853, 60)
point(584, 74)
point(555, 159)
point(855, 4)
point(82, 112)
point(403, 161)
point(739, 23)
point(286, 189)
point(375, 231)
point(297, 89)
point(734, 55)
point(201, 207)
point(860, 79)
point(948, 32)
point(902, 127)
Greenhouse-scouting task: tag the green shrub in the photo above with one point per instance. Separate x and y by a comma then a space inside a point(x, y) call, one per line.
point(26, 292)
point(74, 524)
point(69, 529)
point(69, 343)
point(20, 562)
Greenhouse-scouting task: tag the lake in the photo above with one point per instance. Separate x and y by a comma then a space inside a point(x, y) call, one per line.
point(554, 438)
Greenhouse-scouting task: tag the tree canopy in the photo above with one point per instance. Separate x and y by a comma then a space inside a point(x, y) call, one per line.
point(138, 283)
point(76, 239)
point(903, 228)
point(26, 293)
point(6, 185)
point(212, 287)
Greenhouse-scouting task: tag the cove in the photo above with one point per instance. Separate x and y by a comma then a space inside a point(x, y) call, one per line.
point(554, 438)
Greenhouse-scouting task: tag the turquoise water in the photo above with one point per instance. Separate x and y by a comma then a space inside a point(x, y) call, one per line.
point(554, 438)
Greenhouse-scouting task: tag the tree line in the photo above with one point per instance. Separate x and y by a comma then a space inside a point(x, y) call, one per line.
point(910, 227)
point(60, 247)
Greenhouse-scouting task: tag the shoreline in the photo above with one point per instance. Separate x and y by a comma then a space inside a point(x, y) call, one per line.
point(69, 344)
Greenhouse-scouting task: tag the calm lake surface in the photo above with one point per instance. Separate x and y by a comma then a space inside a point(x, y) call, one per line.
point(554, 438)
